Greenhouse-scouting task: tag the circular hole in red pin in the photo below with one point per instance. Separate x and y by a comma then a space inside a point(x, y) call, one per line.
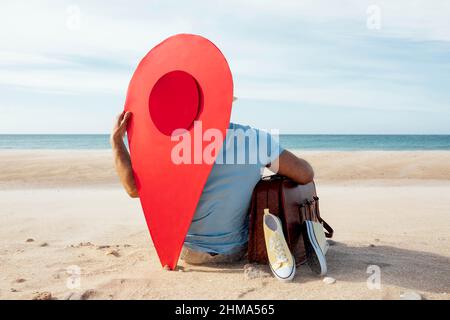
point(175, 102)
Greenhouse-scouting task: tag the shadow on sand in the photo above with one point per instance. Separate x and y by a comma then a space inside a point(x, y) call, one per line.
point(414, 270)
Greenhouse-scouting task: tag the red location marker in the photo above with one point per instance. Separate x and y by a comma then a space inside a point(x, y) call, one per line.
point(183, 79)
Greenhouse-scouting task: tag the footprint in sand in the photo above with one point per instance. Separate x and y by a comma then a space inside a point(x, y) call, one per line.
point(81, 296)
point(114, 253)
point(254, 272)
point(245, 292)
point(42, 296)
point(103, 247)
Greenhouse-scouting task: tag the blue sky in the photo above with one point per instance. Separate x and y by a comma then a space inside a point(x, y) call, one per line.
point(298, 66)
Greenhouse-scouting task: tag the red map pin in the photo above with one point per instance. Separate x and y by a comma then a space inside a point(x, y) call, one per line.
point(183, 79)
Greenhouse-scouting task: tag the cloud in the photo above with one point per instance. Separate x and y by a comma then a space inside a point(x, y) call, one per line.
point(412, 19)
point(67, 82)
point(295, 52)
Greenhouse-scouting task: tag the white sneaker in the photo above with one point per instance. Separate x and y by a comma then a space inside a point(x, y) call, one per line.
point(281, 260)
point(316, 246)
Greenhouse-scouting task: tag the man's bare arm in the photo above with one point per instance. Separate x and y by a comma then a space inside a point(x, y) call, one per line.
point(293, 167)
point(121, 156)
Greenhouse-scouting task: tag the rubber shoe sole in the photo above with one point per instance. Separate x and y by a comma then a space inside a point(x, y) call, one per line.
point(286, 279)
point(314, 255)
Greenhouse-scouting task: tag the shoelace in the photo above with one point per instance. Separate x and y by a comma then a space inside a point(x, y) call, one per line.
point(277, 246)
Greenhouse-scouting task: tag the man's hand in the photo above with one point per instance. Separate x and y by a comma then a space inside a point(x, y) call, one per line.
point(122, 160)
point(120, 126)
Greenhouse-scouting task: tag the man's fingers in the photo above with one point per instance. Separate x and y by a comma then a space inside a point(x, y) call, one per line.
point(120, 117)
point(126, 117)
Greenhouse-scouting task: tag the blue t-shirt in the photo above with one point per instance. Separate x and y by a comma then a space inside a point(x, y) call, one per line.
point(220, 223)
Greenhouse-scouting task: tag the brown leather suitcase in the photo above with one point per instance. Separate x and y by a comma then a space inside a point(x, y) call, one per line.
point(292, 203)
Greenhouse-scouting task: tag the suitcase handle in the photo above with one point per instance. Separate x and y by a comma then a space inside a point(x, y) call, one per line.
point(307, 205)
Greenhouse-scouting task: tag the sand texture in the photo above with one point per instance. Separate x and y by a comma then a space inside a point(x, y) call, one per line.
point(68, 231)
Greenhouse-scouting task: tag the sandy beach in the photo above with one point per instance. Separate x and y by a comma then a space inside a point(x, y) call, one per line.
point(68, 229)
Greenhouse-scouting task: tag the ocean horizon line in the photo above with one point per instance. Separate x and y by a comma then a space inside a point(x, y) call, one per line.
point(289, 141)
point(281, 134)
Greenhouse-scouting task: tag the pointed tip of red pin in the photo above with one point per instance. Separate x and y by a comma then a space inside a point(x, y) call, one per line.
point(167, 268)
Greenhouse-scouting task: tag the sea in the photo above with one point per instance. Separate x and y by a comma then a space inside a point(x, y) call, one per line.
point(289, 141)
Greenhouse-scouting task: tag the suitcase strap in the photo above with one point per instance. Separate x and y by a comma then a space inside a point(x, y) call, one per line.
point(309, 210)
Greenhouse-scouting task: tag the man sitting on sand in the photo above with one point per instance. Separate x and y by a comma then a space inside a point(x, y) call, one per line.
point(219, 229)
